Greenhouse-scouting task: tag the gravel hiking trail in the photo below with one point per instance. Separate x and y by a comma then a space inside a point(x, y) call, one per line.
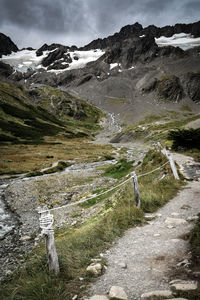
point(143, 259)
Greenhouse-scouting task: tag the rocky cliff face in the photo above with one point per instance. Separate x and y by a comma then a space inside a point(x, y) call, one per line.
point(6, 45)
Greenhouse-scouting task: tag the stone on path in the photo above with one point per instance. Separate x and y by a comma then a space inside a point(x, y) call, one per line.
point(156, 234)
point(123, 265)
point(192, 218)
point(25, 238)
point(117, 292)
point(184, 286)
point(175, 221)
point(94, 269)
point(98, 297)
point(170, 226)
point(175, 214)
point(149, 217)
point(166, 294)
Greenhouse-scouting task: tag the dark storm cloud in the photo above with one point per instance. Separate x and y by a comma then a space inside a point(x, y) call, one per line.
point(43, 14)
point(80, 21)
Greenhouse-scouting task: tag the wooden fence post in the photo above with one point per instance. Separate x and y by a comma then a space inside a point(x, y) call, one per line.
point(172, 164)
point(46, 224)
point(136, 189)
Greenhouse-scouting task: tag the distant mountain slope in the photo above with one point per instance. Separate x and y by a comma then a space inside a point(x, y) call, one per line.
point(27, 116)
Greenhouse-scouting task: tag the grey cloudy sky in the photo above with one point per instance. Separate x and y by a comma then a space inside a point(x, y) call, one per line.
point(35, 22)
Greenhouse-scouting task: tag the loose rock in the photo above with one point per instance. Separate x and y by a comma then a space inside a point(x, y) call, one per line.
point(98, 297)
point(94, 269)
point(192, 218)
point(25, 238)
point(117, 292)
point(123, 265)
point(184, 286)
point(166, 294)
point(175, 221)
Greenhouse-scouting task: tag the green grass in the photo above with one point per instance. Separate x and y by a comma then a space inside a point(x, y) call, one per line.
point(155, 191)
point(186, 108)
point(119, 170)
point(76, 247)
point(150, 131)
point(28, 119)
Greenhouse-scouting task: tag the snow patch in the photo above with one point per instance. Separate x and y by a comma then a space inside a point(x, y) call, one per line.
point(25, 59)
point(84, 57)
point(183, 40)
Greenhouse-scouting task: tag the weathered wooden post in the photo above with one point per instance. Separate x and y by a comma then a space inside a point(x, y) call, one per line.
point(136, 189)
point(172, 164)
point(46, 225)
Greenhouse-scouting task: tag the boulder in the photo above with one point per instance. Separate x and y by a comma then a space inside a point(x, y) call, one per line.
point(94, 269)
point(117, 292)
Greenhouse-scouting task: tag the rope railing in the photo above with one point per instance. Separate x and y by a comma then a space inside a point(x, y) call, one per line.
point(105, 192)
point(46, 219)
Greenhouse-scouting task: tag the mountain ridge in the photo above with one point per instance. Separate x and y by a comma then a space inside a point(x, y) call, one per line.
point(132, 71)
point(136, 29)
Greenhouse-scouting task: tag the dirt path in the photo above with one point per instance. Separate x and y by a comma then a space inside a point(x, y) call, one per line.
point(152, 251)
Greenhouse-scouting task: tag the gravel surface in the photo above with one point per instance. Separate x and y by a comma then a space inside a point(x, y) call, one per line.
point(152, 251)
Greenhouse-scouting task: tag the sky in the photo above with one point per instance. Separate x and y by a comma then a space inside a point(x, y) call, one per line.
point(31, 23)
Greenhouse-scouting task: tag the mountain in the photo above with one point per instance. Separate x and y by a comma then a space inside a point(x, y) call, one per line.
point(132, 73)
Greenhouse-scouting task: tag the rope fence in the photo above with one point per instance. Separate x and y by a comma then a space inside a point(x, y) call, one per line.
point(105, 192)
point(46, 219)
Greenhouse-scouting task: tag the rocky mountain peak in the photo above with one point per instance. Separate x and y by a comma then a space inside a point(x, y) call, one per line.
point(6, 45)
point(128, 30)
